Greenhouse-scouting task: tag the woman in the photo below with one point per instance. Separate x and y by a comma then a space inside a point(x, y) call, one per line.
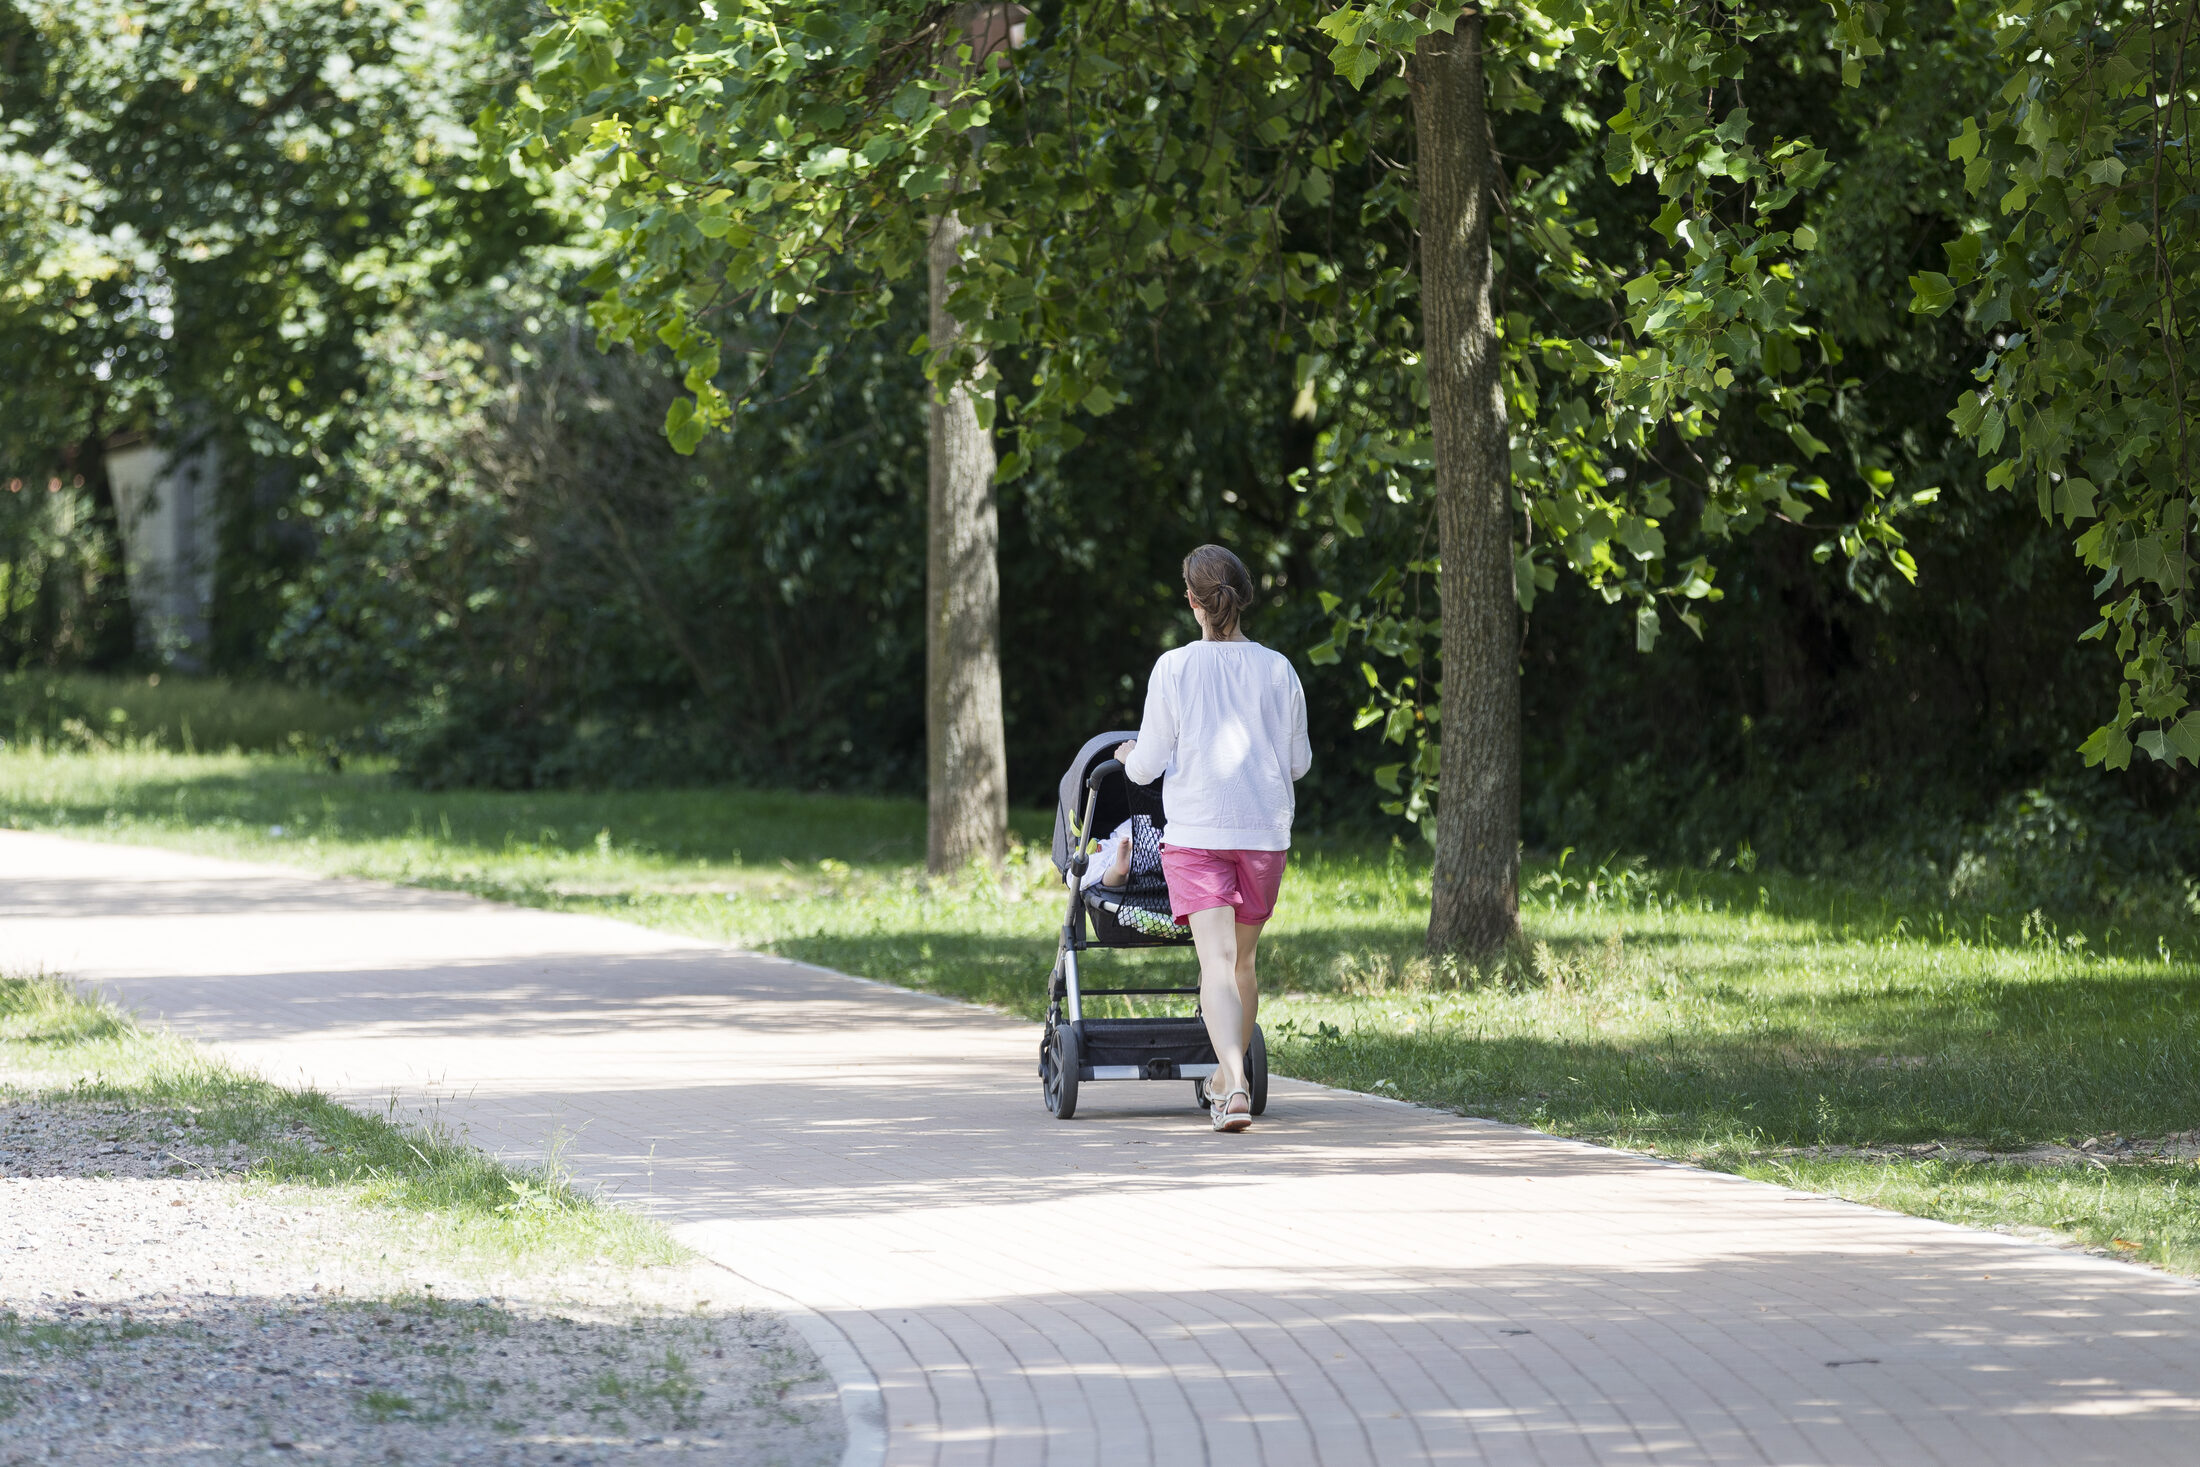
point(1226, 722)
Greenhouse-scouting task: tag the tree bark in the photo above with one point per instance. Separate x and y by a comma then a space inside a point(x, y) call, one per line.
point(1475, 904)
point(966, 757)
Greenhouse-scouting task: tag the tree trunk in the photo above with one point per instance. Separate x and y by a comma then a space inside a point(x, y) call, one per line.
point(966, 757)
point(1476, 899)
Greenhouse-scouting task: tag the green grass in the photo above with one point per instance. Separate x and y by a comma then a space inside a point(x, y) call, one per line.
point(71, 1337)
point(57, 1045)
point(1718, 1016)
point(664, 1387)
point(2146, 1212)
point(170, 711)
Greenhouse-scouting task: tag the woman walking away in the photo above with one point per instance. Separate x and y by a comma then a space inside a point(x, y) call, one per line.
point(1226, 722)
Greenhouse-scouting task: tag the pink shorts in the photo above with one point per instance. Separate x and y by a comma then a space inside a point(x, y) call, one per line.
point(1244, 881)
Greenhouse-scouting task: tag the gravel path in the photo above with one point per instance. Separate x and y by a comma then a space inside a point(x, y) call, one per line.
point(155, 1302)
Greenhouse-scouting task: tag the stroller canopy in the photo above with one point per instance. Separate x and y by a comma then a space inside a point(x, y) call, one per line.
point(1116, 800)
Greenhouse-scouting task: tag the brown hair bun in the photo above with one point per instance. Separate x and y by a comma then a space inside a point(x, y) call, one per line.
point(1218, 581)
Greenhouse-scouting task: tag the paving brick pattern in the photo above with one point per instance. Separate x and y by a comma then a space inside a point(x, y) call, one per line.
point(1352, 1282)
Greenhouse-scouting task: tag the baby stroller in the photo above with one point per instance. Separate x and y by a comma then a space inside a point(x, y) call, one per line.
point(1096, 797)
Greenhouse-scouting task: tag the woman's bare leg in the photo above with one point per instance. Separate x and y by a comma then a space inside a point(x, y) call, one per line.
point(1248, 986)
point(1225, 985)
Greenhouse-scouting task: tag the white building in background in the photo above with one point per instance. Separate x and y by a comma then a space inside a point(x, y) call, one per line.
point(169, 527)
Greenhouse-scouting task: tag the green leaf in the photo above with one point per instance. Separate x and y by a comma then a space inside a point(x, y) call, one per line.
point(1969, 409)
point(683, 428)
point(1524, 579)
point(1932, 293)
point(1642, 537)
point(1807, 441)
point(1963, 256)
point(1990, 429)
point(1619, 157)
point(2107, 746)
point(2074, 499)
point(1646, 625)
point(2184, 738)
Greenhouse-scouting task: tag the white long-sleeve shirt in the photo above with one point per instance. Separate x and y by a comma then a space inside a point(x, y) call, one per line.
point(1226, 722)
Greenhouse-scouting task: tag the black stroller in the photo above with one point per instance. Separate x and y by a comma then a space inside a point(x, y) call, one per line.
point(1096, 797)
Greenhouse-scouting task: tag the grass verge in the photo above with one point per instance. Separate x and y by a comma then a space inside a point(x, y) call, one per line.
point(1724, 1017)
point(56, 1045)
point(2142, 1212)
point(170, 711)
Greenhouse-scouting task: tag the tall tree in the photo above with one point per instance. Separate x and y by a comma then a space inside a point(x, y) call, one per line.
point(966, 744)
point(1475, 897)
point(1596, 406)
point(966, 747)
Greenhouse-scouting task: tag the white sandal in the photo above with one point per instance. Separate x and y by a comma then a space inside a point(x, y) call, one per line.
point(1226, 1119)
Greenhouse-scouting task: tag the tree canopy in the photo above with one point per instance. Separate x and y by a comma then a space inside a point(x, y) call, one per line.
point(1791, 303)
point(2081, 257)
point(1150, 158)
point(206, 202)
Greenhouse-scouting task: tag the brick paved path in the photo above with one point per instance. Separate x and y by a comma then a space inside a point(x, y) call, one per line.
point(1352, 1282)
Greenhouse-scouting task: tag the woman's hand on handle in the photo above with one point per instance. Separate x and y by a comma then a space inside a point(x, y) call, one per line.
point(1123, 750)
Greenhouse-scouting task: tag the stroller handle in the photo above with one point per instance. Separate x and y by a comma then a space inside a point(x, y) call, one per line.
point(1100, 771)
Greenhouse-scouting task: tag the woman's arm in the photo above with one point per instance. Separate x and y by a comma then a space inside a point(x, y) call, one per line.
point(1147, 757)
point(1302, 752)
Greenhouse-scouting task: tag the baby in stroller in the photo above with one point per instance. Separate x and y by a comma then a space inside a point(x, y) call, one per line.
point(1130, 884)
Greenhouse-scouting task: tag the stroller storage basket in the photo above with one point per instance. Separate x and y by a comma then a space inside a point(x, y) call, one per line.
point(1096, 798)
point(1110, 930)
point(1178, 1046)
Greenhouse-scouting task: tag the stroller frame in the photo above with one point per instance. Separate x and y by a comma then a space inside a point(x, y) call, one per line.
point(1075, 1049)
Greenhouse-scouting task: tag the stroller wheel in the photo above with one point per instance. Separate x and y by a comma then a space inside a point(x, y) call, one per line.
point(1199, 1095)
point(1059, 1072)
point(1256, 1070)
